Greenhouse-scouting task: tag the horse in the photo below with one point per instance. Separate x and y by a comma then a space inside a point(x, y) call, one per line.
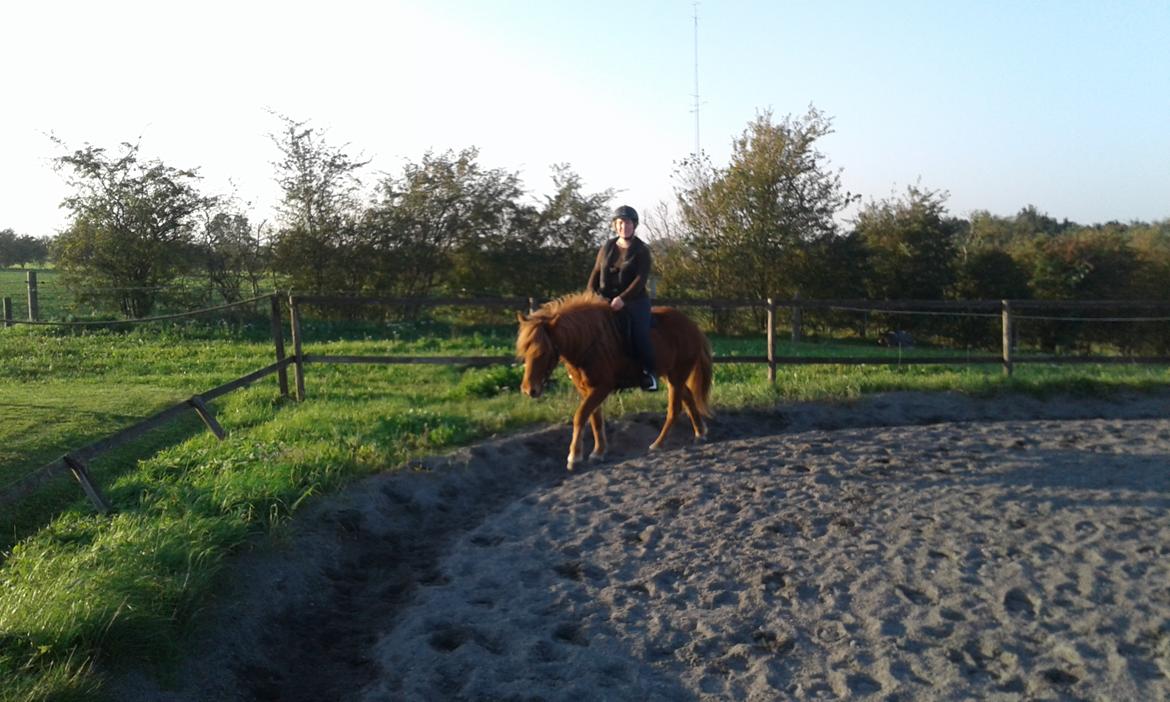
point(580, 329)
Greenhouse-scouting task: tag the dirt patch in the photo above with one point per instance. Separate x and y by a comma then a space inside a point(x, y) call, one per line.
point(917, 545)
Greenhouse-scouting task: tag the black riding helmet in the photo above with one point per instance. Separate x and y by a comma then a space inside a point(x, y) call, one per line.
point(626, 212)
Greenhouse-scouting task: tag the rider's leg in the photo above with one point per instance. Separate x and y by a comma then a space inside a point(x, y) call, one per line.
point(639, 311)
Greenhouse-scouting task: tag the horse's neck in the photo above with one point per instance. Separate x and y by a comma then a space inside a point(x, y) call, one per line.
point(582, 349)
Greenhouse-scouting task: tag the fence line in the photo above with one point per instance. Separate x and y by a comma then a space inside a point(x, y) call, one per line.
point(75, 462)
point(144, 320)
point(1006, 310)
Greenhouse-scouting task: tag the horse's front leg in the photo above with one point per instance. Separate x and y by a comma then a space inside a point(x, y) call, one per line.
point(673, 403)
point(597, 421)
point(584, 411)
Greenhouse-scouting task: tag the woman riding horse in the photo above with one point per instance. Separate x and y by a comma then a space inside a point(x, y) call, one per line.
point(619, 275)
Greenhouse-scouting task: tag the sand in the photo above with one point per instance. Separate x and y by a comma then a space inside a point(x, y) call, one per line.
point(906, 546)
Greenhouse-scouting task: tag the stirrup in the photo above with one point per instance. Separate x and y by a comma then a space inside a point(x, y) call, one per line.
point(649, 382)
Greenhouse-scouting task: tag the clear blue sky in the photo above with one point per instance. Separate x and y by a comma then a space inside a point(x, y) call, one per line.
point(1061, 104)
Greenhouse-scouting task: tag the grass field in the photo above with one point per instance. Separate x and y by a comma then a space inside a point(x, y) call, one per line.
point(76, 587)
point(56, 302)
point(51, 296)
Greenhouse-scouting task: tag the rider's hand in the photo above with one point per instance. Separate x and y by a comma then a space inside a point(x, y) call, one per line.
point(617, 304)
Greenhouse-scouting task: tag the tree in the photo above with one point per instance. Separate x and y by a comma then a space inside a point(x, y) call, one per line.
point(568, 229)
point(1088, 264)
point(9, 248)
point(446, 223)
point(911, 245)
point(752, 223)
point(132, 226)
point(21, 250)
point(317, 244)
point(231, 254)
point(991, 275)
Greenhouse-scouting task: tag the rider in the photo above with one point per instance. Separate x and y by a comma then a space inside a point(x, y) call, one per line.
point(619, 275)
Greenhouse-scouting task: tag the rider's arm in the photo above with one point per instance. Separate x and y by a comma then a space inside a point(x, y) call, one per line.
point(594, 284)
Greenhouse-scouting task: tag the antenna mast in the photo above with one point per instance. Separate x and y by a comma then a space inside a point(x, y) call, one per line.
point(696, 95)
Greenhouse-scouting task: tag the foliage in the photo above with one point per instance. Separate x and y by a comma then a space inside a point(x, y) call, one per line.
point(910, 244)
point(132, 226)
point(21, 250)
point(436, 225)
point(234, 259)
point(316, 246)
point(751, 224)
point(568, 230)
point(990, 275)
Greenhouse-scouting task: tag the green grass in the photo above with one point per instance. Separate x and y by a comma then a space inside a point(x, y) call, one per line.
point(78, 588)
point(52, 298)
point(56, 303)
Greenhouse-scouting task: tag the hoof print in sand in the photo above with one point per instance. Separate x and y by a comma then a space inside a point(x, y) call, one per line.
point(1017, 602)
point(1060, 678)
point(774, 643)
point(487, 540)
point(449, 638)
point(570, 633)
point(913, 596)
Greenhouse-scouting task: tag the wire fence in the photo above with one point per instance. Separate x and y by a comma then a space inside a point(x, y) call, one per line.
point(45, 295)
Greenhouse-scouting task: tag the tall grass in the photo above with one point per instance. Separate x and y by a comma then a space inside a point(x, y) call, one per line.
point(77, 589)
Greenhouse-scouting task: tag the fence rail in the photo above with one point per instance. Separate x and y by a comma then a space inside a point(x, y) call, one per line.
point(76, 461)
point(1009, 311)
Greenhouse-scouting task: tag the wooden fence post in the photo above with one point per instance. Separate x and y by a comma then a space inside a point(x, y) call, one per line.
point(294, 312)
point(81, 473)
point(7, 312)
point(34, 309)
point(1007, 337)
point(205, 414)
point(278, 342)
point(771, 341)
point(797, 319)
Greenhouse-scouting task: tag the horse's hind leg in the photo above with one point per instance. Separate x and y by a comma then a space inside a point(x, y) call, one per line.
point(692, 409)
point(672, 406)
point(597, 421)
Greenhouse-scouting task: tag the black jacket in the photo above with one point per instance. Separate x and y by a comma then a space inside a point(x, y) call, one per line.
point(619, 272)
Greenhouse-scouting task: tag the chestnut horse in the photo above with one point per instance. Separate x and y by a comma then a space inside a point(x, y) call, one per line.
point(580, 330)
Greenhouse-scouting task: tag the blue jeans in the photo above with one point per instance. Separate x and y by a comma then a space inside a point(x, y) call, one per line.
point(639, 314)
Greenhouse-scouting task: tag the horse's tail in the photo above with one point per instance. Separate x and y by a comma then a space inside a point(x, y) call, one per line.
point(699, 381)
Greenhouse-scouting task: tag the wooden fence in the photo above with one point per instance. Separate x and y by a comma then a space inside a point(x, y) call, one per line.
point(76, 462)
point(1007, 311)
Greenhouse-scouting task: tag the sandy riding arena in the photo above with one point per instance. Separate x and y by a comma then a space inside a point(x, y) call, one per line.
point(910, 547)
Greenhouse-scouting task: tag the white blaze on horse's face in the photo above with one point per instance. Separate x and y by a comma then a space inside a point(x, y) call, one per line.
point(538, 366)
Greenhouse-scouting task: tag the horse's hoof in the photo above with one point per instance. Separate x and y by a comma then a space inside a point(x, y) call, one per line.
point(596, 457)
point(573, 462)
point(655, 446)
point(700, 438)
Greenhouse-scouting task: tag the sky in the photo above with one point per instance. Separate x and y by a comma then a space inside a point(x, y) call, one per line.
point(1059, 104)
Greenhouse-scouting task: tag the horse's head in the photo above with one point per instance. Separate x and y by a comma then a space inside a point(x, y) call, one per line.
point(535, 347)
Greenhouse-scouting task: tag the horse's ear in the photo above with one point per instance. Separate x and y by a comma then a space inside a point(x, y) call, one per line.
point(520, 318)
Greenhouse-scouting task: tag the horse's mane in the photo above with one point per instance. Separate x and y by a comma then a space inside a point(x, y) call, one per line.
point(583, 321)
